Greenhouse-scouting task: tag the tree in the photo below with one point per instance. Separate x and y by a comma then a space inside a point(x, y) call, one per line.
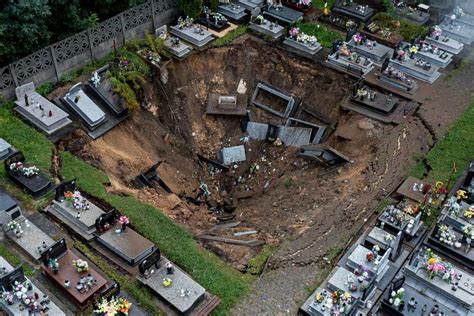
point(191, 8)
point(23, 28)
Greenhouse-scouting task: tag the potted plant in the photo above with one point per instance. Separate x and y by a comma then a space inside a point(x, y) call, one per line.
point(124, 221)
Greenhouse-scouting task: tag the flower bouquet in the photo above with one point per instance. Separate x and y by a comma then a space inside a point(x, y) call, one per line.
point(437, 31)
point(16, 166)
point(370, 256)
point(16, 228)
point(376, 250)
point(30, 171)
point(469, 213)
point(7, 296)
point(95, 79)
point(260, 20)
point(458, 12)
point(113, 307)
point(80, 265)
point(396, 297)
point(446, 235)
point(218, 18)
point(468, 231)
point(53, 265)
point(453, 207)
point(461, 195)
point(124, 221)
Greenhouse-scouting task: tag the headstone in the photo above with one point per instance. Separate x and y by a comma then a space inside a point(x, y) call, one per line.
point(230, 155)
point(5, 149)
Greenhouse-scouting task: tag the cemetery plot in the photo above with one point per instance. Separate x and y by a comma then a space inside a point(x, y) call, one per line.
point(250, 4)
point(340, 22)
point(370, 49)
point(353, 10)
point(273, 100)
point(417, 68)
point(32, 301)
point(233, 11)
point(348, 62)
point(384, 37)
point(192, 33)
point(445, 43)
point(458, 31)
point(283, 15)
point(28, 177)
point(378, 105)
point(413, 15)
point(266, 27)
point(20, 230)
point(40, 112)
point(72, 274)
point(307, 9)
point(214, 21)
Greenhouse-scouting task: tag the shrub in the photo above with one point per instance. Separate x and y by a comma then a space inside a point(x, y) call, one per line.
point(45, 88)
point(191, 8)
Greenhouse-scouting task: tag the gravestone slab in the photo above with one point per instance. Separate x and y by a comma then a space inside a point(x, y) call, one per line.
point(250, 4)
point(294, 136)
point(350, 65)
point(68, 272)
point(317, 130)
point(230, 155)
point(104, 90)
point(283, 15)
point(465, 19)
point(412, 189)
point(440, 58)
point(177, 48)
point(398, 79)
point(196, 35)
point(381, 102)
point(358, 258)
point(257, 131)
point(304, 48)
point(410, 67)
point(446, 43)
point(68, 214)
point(313, 308)
point(355, 11)
point(5, 149)
point(325, 155)
point(128, 244)
point(39, 111)
point(17, 309)
point(217, 104)
point(84, 107)
point(460, 32)
point(378, 236)
point(31, 241)
point(183, 293)
point(338, 281)
point(268, 28)
point(377, 53)
point(233, 11)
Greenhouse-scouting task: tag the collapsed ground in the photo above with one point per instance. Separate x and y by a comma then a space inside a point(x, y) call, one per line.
point(176, 129)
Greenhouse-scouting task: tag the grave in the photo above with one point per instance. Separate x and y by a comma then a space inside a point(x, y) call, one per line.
point(264, 89)
point(226, 105)
point(20, 230)
point(371, 49)
point(339, 282)
point(417, 68)
point(373, 100)
point(434, 55)
point(377, 267)
point(353, 10)
point(5, 149)
point(103, 89)
point(324, 155)
point(459, 250)
point(413, 189)
point(307, 10)
point(414, 15)
point(464, 19)
point(317, 131)
point(250, 4)
point(213, 20)
point(458, 31)
point(463, 295)
point(303, 44)
point(176, 47)
point(384, 37)
point(83, 285)
point(395, 220)
point(325, 307)
point(27, 176)
point(340, 22)
point(122, 240)
point(445, 43)
point(288, 135)
point(283, 15)
point(266, 27)
point(75, 210)
point(349, 62)
point(397, 79)
point(39, 111)
point(230, 155)
point(182, 292)
point(194, 34)
point(79, 102)
point(17, 307)
point(380, 237)
point(233, 11)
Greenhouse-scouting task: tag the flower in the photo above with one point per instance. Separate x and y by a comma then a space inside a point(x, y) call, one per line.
point(468, 231)
point(370, 256)
point(81, 265)
point(294, 32)
point(112, 307)
point(431, 261)
point(123, 220)
point(446, 235)
point(460, 194)
point(304, 2)
point(16, 166)
point(469, 213)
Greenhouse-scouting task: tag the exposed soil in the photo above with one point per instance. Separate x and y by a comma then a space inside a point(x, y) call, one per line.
point(290, 195)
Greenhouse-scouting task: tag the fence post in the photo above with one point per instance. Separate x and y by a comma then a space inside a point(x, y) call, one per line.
point(122, 23)
point(55, 64)
point(153, 16)
point(89, 37)
point(13, 74)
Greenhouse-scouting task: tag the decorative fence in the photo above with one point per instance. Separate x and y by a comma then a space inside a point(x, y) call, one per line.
point(50, 63)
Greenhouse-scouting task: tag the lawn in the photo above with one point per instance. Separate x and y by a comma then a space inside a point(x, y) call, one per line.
point(319, 4)
point(325, 35)
point(174, 241)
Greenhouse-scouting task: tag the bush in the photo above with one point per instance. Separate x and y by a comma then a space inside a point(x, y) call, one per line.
point(45, 88)
point(191, 8)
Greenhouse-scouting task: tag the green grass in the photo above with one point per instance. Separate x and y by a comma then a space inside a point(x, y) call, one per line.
point(229, 37)
point(14, 260)
point(407, 30)
point(455, 147)
point(319, 4)
point(325, 36)
point(174, 242)
point(257, 263)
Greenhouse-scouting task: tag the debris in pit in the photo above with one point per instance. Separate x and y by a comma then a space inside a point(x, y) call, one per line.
point(151, 178)
point(235, 105)
point(249, 243)
point(324, 155)
point(230, 155)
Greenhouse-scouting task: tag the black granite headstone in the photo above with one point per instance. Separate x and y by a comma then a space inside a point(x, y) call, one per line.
point(151, 261)
point(55, 251)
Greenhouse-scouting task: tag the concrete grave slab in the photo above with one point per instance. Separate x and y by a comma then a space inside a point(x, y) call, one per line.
point(230, 155)
point(283, 14)
point(226, 105)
